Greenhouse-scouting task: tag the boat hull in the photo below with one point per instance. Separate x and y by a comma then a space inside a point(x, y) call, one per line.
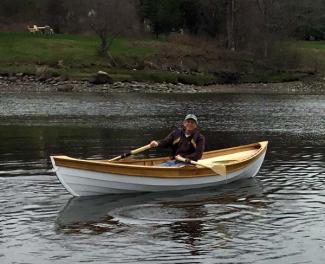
point(81, 182)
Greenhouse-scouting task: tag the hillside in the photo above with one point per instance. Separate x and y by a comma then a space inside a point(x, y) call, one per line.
point(176, 59)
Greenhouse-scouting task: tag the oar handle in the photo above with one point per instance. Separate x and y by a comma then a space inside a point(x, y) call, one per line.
point(138, 150)
point(180, 158)
point(218, 168)
point(132, 152)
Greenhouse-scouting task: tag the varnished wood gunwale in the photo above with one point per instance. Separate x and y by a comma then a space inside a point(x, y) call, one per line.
point(207, 154)
point(132, 167)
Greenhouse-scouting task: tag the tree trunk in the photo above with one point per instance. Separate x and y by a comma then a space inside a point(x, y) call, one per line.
point(265, 8)
point(266, 30)
point(231, 10)
point(103, 49)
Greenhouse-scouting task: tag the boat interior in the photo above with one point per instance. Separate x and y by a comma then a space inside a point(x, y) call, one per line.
point(223, 156)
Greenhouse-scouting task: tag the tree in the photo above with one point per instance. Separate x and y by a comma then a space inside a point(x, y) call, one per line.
point(56, 14)
point(231, 16)
point(164, 15)
point(13, 11)
point(191, 14)
point(109, 19)
point(269, 24)
point(308, 20)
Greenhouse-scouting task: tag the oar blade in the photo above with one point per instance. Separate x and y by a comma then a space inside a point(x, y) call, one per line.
point(219, 169)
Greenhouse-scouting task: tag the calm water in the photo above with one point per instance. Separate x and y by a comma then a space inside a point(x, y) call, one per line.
point(277, 217)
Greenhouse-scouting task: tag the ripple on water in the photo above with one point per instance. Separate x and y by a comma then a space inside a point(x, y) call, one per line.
point(156, 214)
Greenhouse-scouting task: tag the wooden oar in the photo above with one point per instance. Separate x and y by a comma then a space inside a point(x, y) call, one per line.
point(132, 152)
point(217, 168)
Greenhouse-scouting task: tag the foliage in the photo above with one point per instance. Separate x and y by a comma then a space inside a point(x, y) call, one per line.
point(56, 14)
point(164, 15)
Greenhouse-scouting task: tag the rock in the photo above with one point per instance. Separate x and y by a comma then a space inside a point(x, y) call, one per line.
point(12, 79)
point(43, 77)
point(19, 74)
point(62, 78)
point(148, 65)
point(101, 78)
point(60, 64)
point(65, 88)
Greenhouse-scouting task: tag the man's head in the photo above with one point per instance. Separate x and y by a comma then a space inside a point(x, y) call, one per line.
point(191, 117)
point(190, 123)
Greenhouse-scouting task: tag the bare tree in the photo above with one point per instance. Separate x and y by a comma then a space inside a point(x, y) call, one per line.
point(56, 14)
point(231, 16)
point(111, 18)
point(76, 16)
point(266, 7)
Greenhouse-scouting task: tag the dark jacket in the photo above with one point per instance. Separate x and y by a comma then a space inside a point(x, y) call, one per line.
point(190, 147)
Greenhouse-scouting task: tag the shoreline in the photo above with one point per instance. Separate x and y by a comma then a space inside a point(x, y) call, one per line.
point(31, 84)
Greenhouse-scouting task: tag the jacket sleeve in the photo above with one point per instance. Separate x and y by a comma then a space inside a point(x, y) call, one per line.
point(200, 146)
point(167, 141)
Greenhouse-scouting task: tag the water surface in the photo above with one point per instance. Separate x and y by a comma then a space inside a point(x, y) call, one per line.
point(276, 217)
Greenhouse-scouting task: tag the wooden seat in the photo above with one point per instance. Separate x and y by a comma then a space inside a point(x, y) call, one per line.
point(233, 157)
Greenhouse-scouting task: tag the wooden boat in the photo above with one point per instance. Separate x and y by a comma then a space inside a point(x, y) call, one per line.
point(97, 177)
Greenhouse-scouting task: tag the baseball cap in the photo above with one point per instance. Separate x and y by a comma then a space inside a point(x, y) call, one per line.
point(191, 116)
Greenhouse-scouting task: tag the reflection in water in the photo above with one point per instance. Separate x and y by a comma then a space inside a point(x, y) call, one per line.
point(185, 213)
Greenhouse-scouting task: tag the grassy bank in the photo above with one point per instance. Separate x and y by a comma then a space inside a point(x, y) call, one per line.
point(312, 54)
point(72, 49)
point(153, 60)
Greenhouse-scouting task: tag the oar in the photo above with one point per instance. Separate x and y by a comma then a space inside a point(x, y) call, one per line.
point(218, 168)
point(132, 152)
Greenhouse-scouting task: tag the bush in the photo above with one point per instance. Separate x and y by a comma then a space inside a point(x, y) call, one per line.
point(197, 79)
point(307, 32)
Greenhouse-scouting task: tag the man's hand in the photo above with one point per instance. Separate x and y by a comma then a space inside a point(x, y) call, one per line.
point(154, 144)
point(185, 160)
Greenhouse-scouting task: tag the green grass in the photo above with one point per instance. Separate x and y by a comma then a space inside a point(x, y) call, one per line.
point(312, 54)
point(27, 48)
point(25, 53)
point(76, 56)
point(71, 49)
point(318, 45)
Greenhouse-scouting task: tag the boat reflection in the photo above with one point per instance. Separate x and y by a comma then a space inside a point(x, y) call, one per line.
point(185, 213)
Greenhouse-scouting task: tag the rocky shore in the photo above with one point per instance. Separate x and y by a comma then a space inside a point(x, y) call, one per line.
point(24, 83)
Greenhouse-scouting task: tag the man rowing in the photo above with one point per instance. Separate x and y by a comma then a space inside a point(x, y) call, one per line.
point(187, 142)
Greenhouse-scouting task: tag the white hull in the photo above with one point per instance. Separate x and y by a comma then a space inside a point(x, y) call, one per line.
point(81, 182)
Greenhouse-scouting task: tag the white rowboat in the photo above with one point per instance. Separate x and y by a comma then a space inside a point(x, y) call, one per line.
point(98, 177)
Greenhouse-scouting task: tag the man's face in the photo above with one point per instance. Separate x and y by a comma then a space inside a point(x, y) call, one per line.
point(189, 125)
